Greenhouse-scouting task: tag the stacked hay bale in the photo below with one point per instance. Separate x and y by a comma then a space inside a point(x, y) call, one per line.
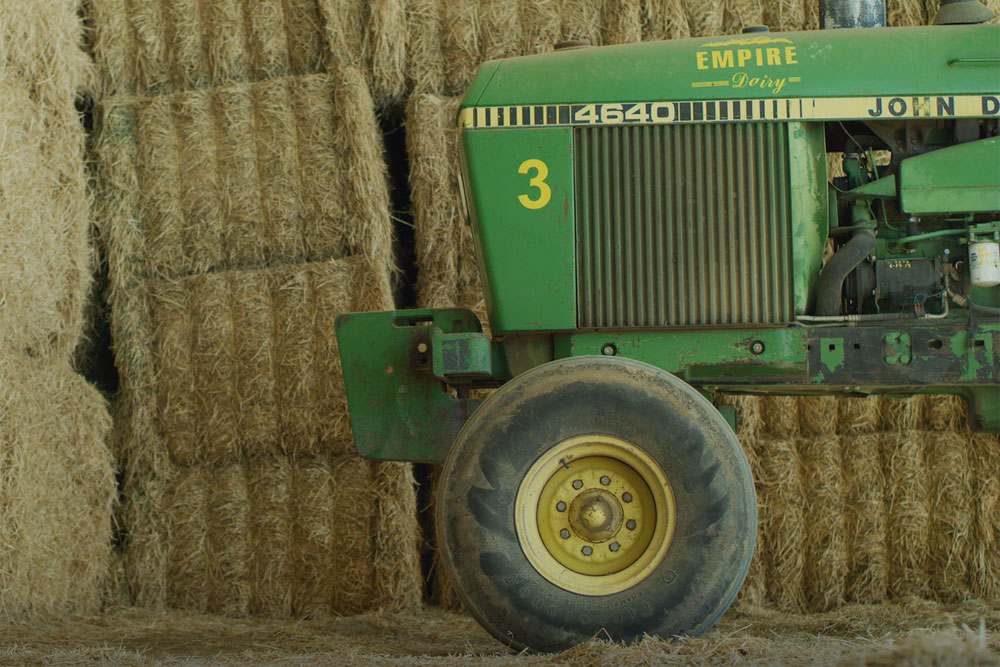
point(243, 205)
point(56, 475)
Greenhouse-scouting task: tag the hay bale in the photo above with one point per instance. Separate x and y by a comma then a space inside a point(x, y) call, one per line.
point(738, 14)
point(899, 13)
point(705, 17)
point(240, 176)
point(984, 552)
point(858, 416)
point(581, 19)
point(907, 515)
point(57, 490)
point(950, 481)
point(500, 28)
point(460, 45)
point(945, 413)
point(621, 22)
point(825, 537)
point(425, 52)
point(780, 416)
point(748, 429)
point(818, 415)
point(386, 50)
point(784, 15)
point(275, 536)
point(169, 46)
point(540, 25)
point(782, 520)
point(665, 19)
point(864, 487)
point(448, 274)
point(241, 363)
point(44, 207)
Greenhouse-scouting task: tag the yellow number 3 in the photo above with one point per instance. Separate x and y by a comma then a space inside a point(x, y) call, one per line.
point(537, 181)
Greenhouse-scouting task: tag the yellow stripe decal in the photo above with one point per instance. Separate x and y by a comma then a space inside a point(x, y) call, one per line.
point(791, 108)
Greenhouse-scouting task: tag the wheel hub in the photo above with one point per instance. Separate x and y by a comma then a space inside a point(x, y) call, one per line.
point(595, 515)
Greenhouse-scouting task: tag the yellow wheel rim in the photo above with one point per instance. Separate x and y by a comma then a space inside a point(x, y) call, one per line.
point(595, 515)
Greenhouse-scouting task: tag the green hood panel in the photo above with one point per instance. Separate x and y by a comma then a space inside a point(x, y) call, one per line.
point(818, 63)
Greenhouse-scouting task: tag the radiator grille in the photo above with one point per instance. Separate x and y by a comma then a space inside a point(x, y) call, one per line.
point(682, 225)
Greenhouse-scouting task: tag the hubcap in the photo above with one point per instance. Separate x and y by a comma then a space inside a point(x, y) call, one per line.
point(595, 515)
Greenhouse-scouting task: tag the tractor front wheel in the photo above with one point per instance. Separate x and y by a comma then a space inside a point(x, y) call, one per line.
point(595, 495)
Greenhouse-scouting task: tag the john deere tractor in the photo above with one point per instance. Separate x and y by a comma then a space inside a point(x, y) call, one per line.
point(656, 225)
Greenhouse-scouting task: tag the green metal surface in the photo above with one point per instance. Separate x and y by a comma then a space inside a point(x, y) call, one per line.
point(683, 225)
point(809, 210)
point(831, 63)
point(399, 409)
point(962, 178)
point(521, 183)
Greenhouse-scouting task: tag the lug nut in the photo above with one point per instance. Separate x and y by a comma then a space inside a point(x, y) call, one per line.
point(609, 350)
point(605, 480)
point(587, 550)
point(614, 546)
point(627, 497)
point(577, 483)
point(564, 534)
point(560, 506)
point(630, 524)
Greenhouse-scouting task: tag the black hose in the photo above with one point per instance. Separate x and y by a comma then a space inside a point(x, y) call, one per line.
point(831, 278)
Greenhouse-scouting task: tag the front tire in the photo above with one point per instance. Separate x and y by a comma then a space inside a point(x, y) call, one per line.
point(595, 495)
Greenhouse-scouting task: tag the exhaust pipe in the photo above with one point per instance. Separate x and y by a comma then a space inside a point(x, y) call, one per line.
point(851, 14)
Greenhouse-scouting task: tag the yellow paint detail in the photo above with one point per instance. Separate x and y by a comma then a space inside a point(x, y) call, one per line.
point(743, 41)
point(536, 181)
point(595, 515)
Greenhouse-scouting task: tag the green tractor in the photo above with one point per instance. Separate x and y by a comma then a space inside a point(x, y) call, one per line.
point(656, 226)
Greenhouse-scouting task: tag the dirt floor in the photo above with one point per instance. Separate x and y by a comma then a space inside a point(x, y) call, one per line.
point(906, 633)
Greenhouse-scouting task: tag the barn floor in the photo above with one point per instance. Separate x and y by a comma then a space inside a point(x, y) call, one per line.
point(910, 633)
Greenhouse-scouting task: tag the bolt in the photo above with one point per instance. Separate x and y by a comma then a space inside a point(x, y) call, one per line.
point(560, 506)
point(756, 347)
point(614, 546)
point(587, 550)
point(605, 480)
point(630, 524)
point(609, 350)
point(577, 484)
point(564, 534)
point(421, 347)
point(627, 497)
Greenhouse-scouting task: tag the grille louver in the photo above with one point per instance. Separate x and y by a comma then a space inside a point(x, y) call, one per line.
point(682, 225)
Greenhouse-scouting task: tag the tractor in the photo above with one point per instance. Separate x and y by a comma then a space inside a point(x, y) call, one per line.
point(657, 225)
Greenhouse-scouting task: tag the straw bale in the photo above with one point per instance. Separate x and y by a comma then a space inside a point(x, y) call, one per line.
point(665, 19)
point(500, 29)
point(448, 274)
point(858, 416)
point(865, 500)
point(241, 363)
point(826, 539)
point(984, 556)
point(780, 415)
point(44, 206)
point(460, 43)
point(705, 17)
point(540, 25)
point(783, 15)
point(57, 490)
point(344, 23)
point(783, 521)
point(581, 19)
point(621, 22)
point(276, 536)
point(741, 13)
point(386, 57)
point(424, 48)
point(907, 516)
point(899, 13)
point(241, 176)
point(901, 414)
point(818, 415)
point(748, 423)
point(949, 478)
point(169, 46)
point(944, 412)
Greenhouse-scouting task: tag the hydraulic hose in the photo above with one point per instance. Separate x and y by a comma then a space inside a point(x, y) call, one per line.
point(845, 260)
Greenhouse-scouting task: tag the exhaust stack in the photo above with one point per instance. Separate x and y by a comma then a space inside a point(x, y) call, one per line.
point(851, 14)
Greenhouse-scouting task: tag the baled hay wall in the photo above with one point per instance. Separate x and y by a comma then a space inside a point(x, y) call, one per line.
point(282, 171)
point(167, 46)
point(57, 488)
point(222, 367)
point(44, 210)
point(275, 536)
